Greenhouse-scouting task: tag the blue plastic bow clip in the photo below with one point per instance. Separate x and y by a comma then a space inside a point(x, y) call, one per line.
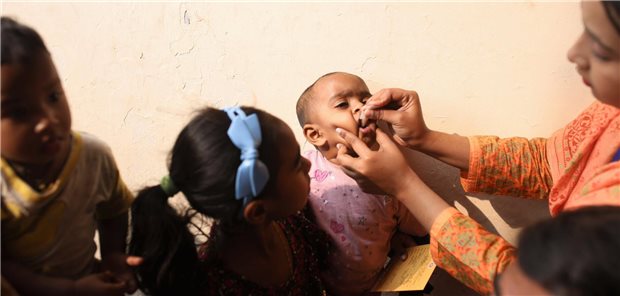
point(252, 174)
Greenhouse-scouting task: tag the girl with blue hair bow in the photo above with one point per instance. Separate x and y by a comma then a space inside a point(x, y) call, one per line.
point(242, 169)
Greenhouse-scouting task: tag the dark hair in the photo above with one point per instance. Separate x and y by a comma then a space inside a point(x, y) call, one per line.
point(19, 42)
point(303, 103)
point(612, 8)
point(575, 253)
point(203, 165)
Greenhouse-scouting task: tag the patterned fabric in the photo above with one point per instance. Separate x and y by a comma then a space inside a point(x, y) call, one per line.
point(579, 157)
point(573, 169)
point(514, 167)
point(309, 246)
point(360, 226)
point(51, 231)
point(467, 251)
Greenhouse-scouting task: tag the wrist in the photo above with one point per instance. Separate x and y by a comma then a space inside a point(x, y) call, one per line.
point(423, 141)
point(406, 185)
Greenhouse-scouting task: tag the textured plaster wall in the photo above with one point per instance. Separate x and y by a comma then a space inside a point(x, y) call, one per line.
point(134, 72)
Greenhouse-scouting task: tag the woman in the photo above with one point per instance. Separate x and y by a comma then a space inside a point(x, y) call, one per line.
point(578, 166)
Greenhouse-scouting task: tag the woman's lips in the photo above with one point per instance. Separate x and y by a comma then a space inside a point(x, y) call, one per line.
point(586, 82)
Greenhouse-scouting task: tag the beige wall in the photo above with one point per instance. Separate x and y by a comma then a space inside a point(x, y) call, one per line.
point(135, 71)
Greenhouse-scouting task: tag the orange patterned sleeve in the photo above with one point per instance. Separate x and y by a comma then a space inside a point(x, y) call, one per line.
point(514, 166)
point(468, 252)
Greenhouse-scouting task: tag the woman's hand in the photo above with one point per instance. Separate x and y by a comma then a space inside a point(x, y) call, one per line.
point(385, 167)
point(402, 111)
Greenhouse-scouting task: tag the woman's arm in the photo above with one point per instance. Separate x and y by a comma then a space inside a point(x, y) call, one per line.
point(458, 244)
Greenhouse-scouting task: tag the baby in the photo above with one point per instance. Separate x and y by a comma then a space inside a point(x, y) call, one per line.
point(360, 224)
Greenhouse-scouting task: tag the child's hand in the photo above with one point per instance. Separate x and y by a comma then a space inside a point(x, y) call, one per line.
point(399, 244)
point(99, 284)
point(117, 264)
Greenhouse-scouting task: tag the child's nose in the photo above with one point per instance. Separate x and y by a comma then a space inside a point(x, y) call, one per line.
point(357, 107)
point(47, 120)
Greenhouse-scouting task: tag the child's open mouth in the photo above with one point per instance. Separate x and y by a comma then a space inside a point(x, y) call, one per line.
point(367, 133)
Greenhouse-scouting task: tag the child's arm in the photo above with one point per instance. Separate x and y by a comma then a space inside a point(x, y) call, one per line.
point(112, 238)
point(27, 282)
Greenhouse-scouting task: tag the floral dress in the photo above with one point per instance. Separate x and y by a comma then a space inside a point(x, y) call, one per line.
point(309, 247)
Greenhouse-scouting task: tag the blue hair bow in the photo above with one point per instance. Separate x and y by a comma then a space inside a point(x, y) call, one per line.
point(252, 174)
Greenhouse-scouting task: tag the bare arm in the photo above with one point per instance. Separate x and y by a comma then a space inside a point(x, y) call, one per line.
point(112, 238)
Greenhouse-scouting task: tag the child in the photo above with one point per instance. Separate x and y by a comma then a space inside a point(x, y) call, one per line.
point(58, 185)
point(253, 189)
point(575, 253)
point(359, 224)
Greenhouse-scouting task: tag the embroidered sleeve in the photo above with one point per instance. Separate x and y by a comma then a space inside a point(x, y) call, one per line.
point(467, 251)
point(513, 166)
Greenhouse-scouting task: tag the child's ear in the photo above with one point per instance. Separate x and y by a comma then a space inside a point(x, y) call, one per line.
point(313, 134)
point(255, 212)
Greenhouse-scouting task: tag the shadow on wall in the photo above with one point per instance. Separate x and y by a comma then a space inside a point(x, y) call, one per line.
point(503, 215)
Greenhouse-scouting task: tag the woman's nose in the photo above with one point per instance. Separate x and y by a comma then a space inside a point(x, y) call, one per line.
point(577, 55)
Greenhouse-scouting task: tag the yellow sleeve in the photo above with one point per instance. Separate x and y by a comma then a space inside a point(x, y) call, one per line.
point(467, 251)
point(118, 203)
point(514, 166)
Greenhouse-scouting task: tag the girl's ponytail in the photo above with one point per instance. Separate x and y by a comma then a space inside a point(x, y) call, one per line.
point(160, 236)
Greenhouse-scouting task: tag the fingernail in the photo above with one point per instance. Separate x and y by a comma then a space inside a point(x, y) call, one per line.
point(339, 131)
point(338, 145)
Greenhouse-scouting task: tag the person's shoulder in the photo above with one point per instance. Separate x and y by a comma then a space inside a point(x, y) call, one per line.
point(92, 144)
point(311, 154)
point(598, 110)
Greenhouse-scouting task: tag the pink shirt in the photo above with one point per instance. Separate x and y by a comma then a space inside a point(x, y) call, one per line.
point(359, 224)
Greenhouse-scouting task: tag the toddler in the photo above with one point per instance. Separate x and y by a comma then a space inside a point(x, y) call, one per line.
point(360, 224)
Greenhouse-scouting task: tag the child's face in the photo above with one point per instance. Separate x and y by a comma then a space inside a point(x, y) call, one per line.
point(336, 103)
point(596, 54)
point(35, 117)
point(293, 182)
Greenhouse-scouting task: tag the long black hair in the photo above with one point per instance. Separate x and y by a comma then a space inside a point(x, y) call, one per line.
point(203, 165)
point(575, 253)
point(612, 9)
point(19, 42)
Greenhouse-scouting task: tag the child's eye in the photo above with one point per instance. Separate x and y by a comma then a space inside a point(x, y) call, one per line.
point(54, 96)
point(342, 105)
point(17, 113)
